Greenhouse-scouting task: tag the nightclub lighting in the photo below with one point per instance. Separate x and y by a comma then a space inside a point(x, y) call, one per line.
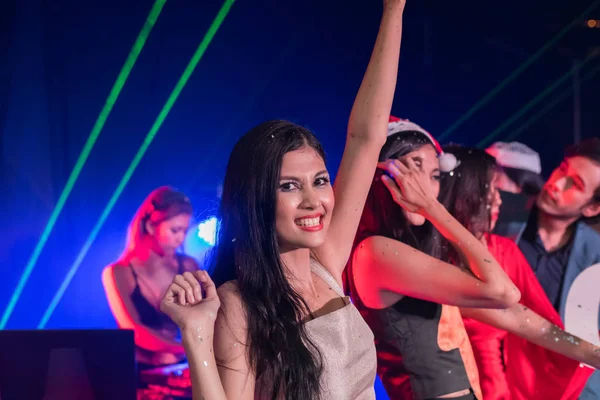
point(83, 156)
point(183, 79)
point(207, 231)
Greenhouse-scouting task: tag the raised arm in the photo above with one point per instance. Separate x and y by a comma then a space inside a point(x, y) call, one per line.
point(213, 337)
point(367, 131)
point(118, 286)
point(525, 323)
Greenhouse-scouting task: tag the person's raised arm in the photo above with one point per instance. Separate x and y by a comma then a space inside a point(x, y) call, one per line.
point(384, 266)
point(366, 134)
point(525, 323)
point(195, 314)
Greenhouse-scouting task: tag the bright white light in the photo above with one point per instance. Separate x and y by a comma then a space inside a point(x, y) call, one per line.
point(207, 231)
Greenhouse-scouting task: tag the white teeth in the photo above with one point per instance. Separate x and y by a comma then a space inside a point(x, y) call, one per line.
point(308, 221)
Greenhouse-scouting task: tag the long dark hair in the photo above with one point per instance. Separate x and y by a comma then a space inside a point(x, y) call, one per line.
point(383, 217)
point(465, 192)
point(247, 250)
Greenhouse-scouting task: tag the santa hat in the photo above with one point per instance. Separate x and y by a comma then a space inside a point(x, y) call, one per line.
point(396, 125)
point(516, 155)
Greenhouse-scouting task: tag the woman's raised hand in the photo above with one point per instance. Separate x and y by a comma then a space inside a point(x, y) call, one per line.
point(191, 300)
point(408, 184)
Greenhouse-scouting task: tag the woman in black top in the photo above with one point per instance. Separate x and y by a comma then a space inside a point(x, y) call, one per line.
point(135, 283)
point(405, 293)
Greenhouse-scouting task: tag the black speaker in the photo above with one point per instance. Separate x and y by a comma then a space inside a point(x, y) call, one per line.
point(67, 364)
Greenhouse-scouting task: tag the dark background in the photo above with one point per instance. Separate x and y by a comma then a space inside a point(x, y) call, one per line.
point(300, 60)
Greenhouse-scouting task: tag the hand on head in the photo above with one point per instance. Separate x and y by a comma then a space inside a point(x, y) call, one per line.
point(408, 184)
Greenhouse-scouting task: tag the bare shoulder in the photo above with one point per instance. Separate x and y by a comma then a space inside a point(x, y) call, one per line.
point(378, 262)
point(363, 253)
point(231, 344)
point(381, 247)
point(108, 276)
point(108, 272)
point(230, 292)
point(231, 328)
point(117, 274)
point(232, 310)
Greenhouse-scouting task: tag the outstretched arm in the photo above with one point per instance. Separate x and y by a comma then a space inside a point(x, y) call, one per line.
point(385, 270)
point(525, 323)
point(367, 132)
point(208, 336)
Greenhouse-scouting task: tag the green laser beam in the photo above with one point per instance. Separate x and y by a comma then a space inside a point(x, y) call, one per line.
point(532, 103)
point(83, 156)
point(487, 98)
point(557, 100)
point(212, 30)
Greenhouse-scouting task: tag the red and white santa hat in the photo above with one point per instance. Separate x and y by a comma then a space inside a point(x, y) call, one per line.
point(396, 125)
point(516, 155)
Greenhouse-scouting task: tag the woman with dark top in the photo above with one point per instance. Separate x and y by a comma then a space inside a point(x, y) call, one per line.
point(406, 294)
point(135, 283)
point(471, 195)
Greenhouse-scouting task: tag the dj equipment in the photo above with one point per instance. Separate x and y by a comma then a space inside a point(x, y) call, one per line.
point(67, 364)
point(173, 381)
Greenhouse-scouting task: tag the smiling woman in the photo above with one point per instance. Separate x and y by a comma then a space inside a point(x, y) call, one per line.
point(285, 186)
point(304, 203)
point(285, 329)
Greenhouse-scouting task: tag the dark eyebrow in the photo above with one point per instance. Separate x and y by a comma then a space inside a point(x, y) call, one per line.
point(293, 178)
point(580, 180)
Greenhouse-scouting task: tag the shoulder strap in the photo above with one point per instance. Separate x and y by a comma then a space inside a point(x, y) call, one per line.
point(324, 274)
point(180, 266)
point(135, 277)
